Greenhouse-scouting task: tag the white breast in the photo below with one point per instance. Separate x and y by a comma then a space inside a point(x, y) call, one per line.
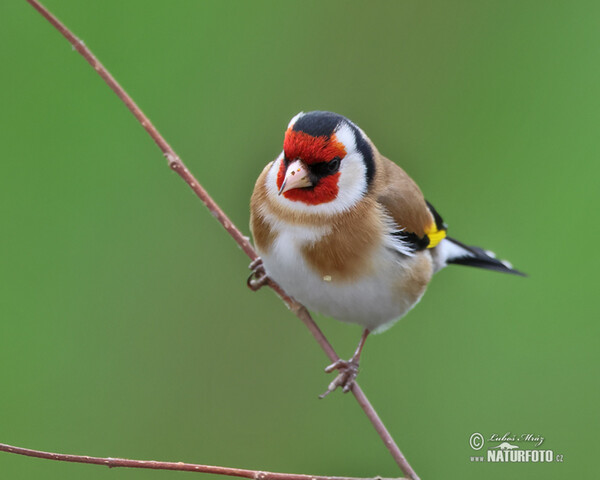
point(374, 301)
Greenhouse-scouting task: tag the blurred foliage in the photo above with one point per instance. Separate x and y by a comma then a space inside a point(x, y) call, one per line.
point(126, 326)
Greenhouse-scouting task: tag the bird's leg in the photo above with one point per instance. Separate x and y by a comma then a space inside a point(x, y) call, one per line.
point(258, 278)
point(348, 369)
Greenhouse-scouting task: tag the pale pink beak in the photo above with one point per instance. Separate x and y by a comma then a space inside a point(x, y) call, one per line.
point(296, 176)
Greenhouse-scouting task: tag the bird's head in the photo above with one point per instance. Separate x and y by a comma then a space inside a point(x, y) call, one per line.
point(326, 165)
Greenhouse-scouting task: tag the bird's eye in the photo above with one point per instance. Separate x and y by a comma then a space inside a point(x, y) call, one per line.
point(333, 165)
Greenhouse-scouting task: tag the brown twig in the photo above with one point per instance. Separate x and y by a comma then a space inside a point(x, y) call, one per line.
point(179, 167)
point(186, 467)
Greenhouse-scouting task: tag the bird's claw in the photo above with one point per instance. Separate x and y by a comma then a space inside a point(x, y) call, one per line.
point(258, 278)
point(348, 370)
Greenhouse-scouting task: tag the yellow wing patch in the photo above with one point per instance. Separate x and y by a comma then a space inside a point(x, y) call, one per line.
point(435, 235)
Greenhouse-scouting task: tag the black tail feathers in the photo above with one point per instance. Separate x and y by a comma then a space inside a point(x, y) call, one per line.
point(478, 257)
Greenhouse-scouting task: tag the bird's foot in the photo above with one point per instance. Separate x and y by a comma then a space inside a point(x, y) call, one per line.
point(348, 370)
point(258, 278)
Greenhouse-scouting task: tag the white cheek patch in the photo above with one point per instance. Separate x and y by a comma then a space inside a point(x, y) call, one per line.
point(352, 181)
point(345, 136)
point(271, 180)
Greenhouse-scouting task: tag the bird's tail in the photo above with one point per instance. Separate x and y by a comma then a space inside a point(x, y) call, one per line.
point(461, 254)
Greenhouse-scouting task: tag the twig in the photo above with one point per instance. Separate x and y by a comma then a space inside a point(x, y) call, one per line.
point(186, 467)
point(179, 167)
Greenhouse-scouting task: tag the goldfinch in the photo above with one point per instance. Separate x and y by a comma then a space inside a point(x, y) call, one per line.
point(347, 232)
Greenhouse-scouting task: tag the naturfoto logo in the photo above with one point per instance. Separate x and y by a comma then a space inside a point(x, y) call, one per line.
point(505, 448)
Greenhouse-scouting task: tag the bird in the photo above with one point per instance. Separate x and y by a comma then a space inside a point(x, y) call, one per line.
point(347, 232)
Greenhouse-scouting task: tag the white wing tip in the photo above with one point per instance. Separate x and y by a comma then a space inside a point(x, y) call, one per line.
point(507, 264)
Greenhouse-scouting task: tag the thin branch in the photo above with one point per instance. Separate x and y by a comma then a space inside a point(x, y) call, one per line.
point(185, 467)
point(179, 167)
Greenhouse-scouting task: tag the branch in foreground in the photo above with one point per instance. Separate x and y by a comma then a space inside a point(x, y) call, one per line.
point(185, 467)
point(179, 167)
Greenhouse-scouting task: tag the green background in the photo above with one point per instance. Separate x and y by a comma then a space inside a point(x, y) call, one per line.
point(126, 328)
